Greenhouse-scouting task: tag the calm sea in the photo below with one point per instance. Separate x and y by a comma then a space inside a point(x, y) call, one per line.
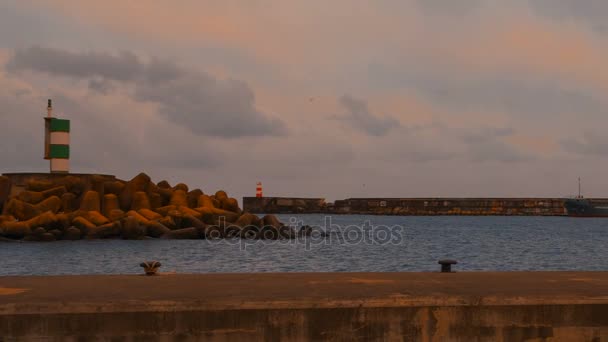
point(353, 244)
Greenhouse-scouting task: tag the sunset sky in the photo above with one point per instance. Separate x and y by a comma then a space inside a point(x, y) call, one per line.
point(315, 98)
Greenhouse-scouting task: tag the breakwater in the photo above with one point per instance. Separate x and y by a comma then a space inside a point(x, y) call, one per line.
point(49, 207)
point(480, 306)
point(409, 206)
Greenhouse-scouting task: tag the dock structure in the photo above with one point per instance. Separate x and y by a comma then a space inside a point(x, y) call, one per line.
point(461, 306)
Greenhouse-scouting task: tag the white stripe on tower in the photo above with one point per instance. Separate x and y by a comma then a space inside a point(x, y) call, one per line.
point(60, 138)
point(60, 165)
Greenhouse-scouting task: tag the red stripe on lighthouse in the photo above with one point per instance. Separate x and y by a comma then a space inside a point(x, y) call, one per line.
point(258, 190)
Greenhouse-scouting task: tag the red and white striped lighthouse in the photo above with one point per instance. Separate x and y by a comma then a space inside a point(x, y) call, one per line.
point(258, 190)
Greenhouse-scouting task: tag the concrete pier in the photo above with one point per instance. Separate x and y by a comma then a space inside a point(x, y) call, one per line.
point(484, 306)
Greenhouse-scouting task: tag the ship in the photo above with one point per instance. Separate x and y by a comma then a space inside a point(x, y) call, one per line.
point(584, 207)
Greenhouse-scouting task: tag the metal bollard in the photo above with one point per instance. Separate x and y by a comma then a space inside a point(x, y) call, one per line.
point(446, 265)
point(150, 267)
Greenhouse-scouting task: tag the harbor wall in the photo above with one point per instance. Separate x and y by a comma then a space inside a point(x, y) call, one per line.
point(531, 306)
point(410, 206)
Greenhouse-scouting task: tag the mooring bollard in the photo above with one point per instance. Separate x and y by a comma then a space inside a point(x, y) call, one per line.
point(446, 265)
point(150, 267)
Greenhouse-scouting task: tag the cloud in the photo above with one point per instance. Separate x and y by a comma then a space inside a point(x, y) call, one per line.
point(362, 119)
point(194, 99)
point(591, 12)
point(486, 144)
point(591, 144)
point(461, 7)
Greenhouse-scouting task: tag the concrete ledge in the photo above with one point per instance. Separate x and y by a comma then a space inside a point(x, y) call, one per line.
point(484, 306)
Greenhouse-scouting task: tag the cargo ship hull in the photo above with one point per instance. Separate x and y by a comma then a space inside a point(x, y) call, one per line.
point(586, 208)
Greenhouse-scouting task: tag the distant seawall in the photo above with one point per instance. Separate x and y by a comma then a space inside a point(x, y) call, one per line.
point(409, 206)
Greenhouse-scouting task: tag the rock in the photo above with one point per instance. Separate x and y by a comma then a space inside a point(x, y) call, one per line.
point(181, 186)
point(90, 201)
point(7, 218)
point(38, 185)
point(168, 222)
point(220, 214)
point(191, 221)
point(230, 204)
point(110, 202)
point(179, 198)
point(72, 234)
point(15, 230)
point(214, 233)
point(183, 234)
point(193, 197)
point(83, 224)
point(48, 220)
point(57, 233)
point(220, 195)
point(69, 202)
point(149, 214)
point(205, 201)
point(138, 183)
point(232, 231)
point(156, 200)
point(105, 231)
point(187, 211)
point(47, 237)
point(156, 229)
point(250, 232)
point(31, 197)
point(245, 220)
point(56, 191)
point(206, 214)
point(131, 229)
point(97, 184)
point(140, 201)
point(73, 184)
point(5, 190)
point(113, 187)
point(176, 216)
point(96, 218)
point(63, 221)
point(271, 229)
point(165, 195)
point(164, 184)
point(164, 211)
point(141, 219)
point(52, 203)
point(20, 210)
point(38, 231)
point(116, 215)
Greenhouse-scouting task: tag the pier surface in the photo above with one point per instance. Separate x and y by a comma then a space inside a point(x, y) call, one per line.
point(484, 306)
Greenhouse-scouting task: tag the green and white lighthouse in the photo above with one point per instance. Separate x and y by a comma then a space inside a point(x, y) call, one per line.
point(57, 142)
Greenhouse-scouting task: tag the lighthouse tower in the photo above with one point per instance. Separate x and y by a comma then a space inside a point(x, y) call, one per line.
point(258, 190)
point(56, 141)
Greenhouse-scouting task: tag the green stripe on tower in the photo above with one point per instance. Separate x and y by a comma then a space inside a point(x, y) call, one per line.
point(59, 125)
point(59, 151)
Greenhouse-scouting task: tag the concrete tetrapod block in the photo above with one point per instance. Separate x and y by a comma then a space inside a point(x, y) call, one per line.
point(91, 201)
point(179, 198)
point(140, 201)
point(52, 203)
point(110, 202)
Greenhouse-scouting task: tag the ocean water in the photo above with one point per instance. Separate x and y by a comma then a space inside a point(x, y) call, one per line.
point(352, 244)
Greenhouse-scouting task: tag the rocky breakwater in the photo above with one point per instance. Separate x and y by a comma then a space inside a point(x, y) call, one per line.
point(135, 209)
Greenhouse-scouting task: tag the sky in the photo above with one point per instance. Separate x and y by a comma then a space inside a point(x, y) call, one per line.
point(315, 98)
